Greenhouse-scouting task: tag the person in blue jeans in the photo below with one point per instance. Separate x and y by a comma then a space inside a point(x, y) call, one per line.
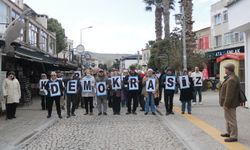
point(186, 95)
point(150, 95)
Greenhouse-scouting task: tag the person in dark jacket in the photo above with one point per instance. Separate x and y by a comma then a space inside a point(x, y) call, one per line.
point(168, 94)
point(73, 87)
point(116, 96)
point(54, 96)
point(186, 95)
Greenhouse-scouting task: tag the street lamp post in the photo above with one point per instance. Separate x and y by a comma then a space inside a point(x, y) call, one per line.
point(81, 32)
point(180, 19)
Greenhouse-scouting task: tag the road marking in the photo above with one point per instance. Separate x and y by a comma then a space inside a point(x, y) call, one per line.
point(210, 130)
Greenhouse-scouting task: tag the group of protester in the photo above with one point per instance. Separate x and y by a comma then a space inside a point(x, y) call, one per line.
point(115, 89)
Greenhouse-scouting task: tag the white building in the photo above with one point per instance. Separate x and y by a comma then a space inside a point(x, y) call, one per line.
point(126, 62)
point(240, 21)
point(146, 54)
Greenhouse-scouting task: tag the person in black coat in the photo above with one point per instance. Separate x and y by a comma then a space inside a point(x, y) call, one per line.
point(186, 95)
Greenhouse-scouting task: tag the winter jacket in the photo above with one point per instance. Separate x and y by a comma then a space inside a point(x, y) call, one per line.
point(187, 94)
point(92, 80)
point(11, 89)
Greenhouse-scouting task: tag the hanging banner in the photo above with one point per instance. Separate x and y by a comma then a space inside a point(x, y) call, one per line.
point(116, 82)
point(133, 83)
point(101, 89)
point(150, 85)
point(78, 74)
point(72, 87)
point(198, 80)
point(54, 89)
point(86, 85)
point(42, 83)
point(170, 82)
point(184, 82)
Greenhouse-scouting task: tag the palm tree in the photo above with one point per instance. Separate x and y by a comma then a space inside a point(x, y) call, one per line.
point(167, 5)
point(158, 16)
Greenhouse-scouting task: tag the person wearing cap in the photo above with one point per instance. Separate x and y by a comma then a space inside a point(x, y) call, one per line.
point(150, 96)
point(197, 88)
point(42, 92)
point(168, 94)
point(12, 94)
point(102, 102)
point(229, 100)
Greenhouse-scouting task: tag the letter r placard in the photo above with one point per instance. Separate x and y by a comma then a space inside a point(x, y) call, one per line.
point(133, 84)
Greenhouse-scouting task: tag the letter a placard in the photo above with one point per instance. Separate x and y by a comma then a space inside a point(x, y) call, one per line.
point(116, 82)
point(72, 87)
point(150, 85)
point(101, 89)
point(133, 84)
point(54, 89)
point(184, 82)
point(86, 86)
point(170, 83)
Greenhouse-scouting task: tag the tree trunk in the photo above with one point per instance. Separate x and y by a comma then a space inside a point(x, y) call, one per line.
point(158, 23)
point(166, 15)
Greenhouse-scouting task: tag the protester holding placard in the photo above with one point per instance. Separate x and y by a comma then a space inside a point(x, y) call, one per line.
point(88, 91)
point(60, 76)
point(186, 94)
point(168, 80)
point(42, 92)
point(133, 81)
point(101, 89)
point(197, 77)
point(55, 90)
point(151, 86)
point(116, 92)
point(124, 96)
point(73, 85)
point(141, 95)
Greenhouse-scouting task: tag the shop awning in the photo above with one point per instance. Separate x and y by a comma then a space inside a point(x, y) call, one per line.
point(235, 56)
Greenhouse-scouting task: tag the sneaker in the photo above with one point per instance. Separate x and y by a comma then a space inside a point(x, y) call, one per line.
point(189, 113)
point(231, 140)
point(183, 112)
point(48, 116)
point(68, 116)
point(167, 113)
point(99, 113)
point(127, 113)
point(134, 113)
point(118, 113)
point(86, 113)
point(172, 113)
point(105, 114)
point(194, 103)
point(73, 114)
point(146, 113)
point(225, 135)
point(60, 116)
point(200, 103)
point(153, 113)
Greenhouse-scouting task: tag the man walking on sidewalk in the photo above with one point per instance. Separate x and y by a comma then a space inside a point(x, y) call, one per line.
point(229, 100)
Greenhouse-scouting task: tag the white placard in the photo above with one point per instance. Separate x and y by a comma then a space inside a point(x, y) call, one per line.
point(150, 85)
point(54, 89)
point(86, 85)
point(42, 83)
point(198, 81)
point(184, 82)
point(116, 82)
point(170, 82)
point(101, 89)
point(133, 83)
point(72, 87)
point(78, 74)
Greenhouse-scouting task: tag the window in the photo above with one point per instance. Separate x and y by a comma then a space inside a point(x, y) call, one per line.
point(218, 41)
point(217, 19)
point(33, 35)
point(233, 37)
point(43, 42)
point(52, 45)
point(3, 17)
point(225, 16)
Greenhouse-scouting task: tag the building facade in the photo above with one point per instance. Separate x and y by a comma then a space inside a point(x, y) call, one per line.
point(242, 24)
point(127, 61)
point(146, 54)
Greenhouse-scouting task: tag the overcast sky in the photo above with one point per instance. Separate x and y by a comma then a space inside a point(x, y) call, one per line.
point(119, 26)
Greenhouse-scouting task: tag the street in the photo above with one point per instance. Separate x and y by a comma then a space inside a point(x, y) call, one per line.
point(32, 130)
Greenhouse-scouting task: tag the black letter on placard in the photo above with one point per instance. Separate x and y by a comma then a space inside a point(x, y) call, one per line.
point(150, 85)
point(115, 82)
point(170, 82)
point(198, 82)
point(87, 85)
point(54, 88)
point(43, 84)
point(101, 88)
point(184, 82)
point(133, 83)
point(72, 86)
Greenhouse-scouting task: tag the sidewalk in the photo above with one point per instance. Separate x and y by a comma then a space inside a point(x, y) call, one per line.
point(30, 121)
point(210, 113)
